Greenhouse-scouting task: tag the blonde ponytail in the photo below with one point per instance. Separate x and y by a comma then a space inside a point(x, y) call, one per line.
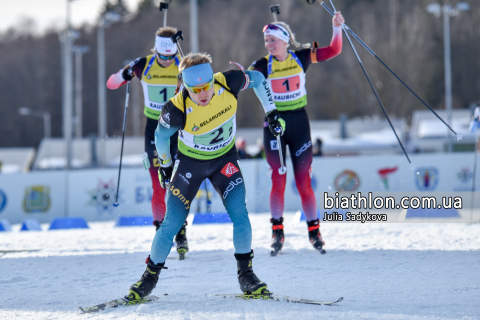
point(292, 36)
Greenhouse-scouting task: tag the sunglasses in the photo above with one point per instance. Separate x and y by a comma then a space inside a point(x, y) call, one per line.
point(199, 89)
point(165, 58)
point(274, 27)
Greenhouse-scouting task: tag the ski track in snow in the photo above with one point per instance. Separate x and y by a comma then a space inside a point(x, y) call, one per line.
point(383, 271)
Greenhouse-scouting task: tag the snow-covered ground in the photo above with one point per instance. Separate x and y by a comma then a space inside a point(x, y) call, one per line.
point(383, 271)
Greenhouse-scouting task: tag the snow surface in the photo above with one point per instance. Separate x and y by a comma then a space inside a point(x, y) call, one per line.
point(383, 271)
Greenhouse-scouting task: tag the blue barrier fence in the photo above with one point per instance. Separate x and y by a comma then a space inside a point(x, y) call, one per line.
point(30, 225)
point(219, 217)
point(68, 223)
point(134, 221)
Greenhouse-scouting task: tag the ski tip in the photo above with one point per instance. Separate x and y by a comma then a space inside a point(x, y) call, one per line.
point(83, 311)
point(274, 252)
point(333, 302)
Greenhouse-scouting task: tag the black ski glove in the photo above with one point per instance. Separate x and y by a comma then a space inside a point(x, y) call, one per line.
point(275, 123)
point(127, 74)
point(165, 175)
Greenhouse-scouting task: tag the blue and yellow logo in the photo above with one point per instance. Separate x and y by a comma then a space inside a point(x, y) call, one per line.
point(37, 199)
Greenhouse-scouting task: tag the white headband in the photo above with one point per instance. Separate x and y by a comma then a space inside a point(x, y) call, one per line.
point(280, 33)
point(165, 45)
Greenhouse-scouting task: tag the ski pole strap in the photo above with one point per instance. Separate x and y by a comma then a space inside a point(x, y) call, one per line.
point(313, 53)
point(247, 78)
point(294, 56)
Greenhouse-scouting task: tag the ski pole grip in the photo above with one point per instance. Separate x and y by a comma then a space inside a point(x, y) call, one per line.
point(163, 5)
point(275, 9)
point(177, 36)
point(175, 39)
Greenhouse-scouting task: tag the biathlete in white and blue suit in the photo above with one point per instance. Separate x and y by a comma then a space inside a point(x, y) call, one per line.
point(204, 115)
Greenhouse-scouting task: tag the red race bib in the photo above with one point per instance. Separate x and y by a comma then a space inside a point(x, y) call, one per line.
point(285, 85)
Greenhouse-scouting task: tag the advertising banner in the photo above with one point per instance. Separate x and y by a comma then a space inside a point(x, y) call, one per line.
point(91, 193)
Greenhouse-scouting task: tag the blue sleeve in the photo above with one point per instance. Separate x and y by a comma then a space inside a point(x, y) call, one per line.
point(262, 89)
point(162, 141)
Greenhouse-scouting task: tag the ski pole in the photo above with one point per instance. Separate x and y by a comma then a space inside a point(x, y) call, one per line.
point(164, 6)
point(333, 6)
point(275, 10)
point(474, 173)
point(123, 140)
point(208, 198)
point(282, 170)
point(383, 63)
point(474, 126)
point(175, 38)
point(371, 85)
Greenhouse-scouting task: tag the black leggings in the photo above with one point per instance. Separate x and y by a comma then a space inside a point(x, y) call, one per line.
point(297, 137)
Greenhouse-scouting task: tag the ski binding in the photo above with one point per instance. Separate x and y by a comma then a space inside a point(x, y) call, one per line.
point(118, 302)
point(270, 296)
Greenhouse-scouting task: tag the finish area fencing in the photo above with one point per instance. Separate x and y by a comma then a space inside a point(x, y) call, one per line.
point(46, 195)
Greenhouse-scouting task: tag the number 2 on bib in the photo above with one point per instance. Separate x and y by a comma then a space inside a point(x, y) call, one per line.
point(216, 136)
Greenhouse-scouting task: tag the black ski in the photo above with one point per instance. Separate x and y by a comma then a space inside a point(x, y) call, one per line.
point(278, 298)
point(275, 251)
point(118, 302)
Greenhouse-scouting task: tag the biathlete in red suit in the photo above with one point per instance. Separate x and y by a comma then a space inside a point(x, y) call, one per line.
point(285, 71)
point(158, 75)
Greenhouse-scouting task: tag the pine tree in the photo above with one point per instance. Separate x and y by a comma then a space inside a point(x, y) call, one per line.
point(118, 7)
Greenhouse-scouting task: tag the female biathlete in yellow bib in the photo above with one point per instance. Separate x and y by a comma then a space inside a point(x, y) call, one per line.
point(285, 72)
point(158, 76)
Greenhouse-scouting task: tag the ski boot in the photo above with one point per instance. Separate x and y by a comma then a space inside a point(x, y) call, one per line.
point(315, 236)
point(157, 224)
point(181, 240)
point(277, 236)
point(147, 282)
point(251, 286)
